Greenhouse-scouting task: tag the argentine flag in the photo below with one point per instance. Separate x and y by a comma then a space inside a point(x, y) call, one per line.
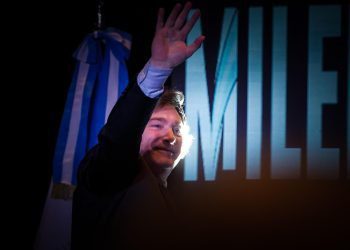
point(99, 78)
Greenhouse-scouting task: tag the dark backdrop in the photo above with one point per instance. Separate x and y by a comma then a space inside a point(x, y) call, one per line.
point(261, 213)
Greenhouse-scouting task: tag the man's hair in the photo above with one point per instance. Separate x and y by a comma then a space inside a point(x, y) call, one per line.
point(174, 98)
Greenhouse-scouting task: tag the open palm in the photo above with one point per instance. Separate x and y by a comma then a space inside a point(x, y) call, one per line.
point(168, 47)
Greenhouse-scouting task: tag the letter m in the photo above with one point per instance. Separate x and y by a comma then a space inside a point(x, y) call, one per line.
point(208, 126)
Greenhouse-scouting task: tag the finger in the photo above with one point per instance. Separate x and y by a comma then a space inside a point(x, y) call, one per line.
point(190, 23)
point(172, 17)
point(194, 46)
point(182, 17)
point(160, 19)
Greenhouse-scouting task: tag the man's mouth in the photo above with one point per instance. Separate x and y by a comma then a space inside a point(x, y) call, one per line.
point(167, 151)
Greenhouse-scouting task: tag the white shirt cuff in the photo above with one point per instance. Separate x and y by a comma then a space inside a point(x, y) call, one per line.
point(151, 80)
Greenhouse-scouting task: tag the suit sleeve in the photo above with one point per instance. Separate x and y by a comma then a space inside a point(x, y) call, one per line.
point(112, 164)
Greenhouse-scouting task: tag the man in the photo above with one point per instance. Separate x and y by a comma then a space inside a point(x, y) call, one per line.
point(121, 201)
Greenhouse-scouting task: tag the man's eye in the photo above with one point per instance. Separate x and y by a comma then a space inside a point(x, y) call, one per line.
point(177, 131)
point(156, 125)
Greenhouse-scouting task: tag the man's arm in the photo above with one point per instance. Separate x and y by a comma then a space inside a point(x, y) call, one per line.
point(112, 163)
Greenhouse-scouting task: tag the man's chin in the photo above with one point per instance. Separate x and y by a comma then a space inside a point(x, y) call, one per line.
point(162, 162)
point(165, 164)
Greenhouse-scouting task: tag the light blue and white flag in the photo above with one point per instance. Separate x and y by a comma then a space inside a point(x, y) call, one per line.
point(99, 78)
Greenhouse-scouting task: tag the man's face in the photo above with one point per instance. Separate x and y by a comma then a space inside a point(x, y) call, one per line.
point(161, 140)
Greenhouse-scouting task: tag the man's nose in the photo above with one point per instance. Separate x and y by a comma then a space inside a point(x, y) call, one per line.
point(169, 136)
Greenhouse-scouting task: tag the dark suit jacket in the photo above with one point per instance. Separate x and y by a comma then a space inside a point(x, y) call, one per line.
point(118, 202)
